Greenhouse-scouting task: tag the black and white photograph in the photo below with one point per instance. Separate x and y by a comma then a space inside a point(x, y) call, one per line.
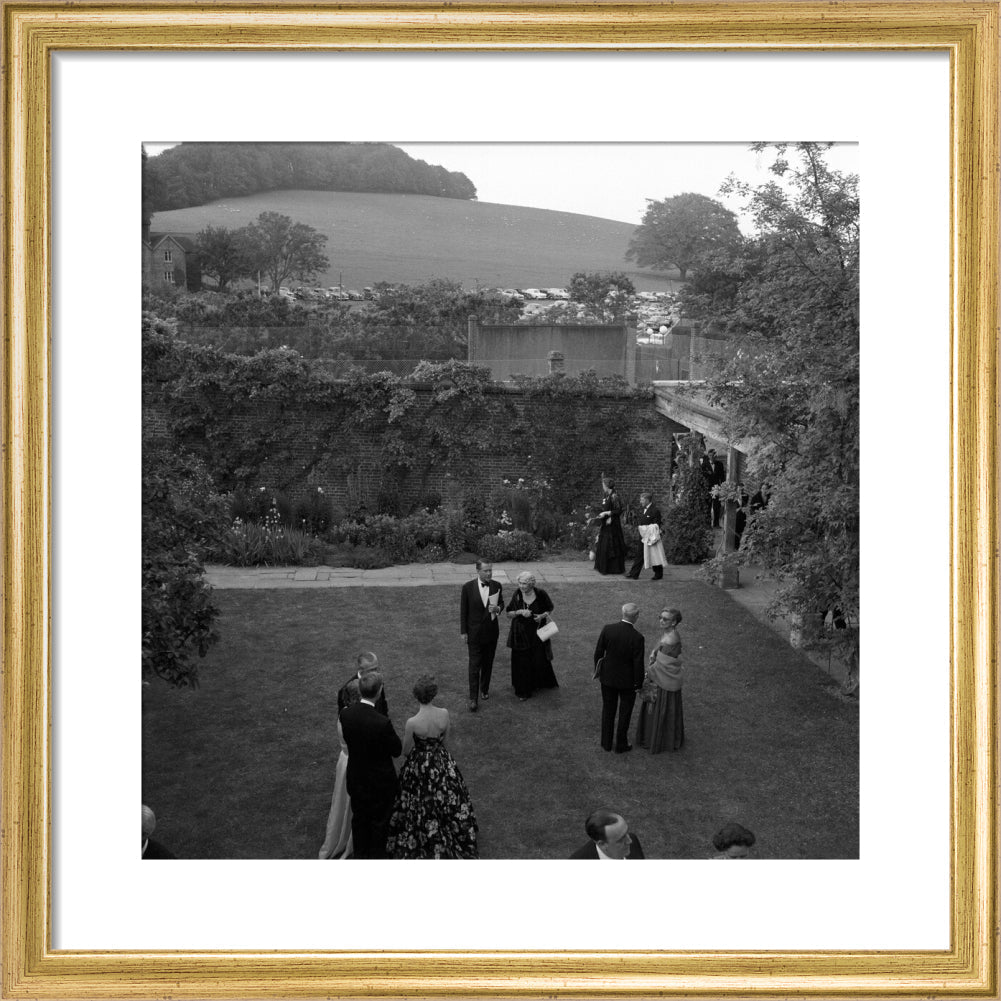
point(500, 500)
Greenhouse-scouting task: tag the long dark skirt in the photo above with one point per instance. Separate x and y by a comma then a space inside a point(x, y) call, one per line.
point(661, 724)
point(610, 550)
point(531, 669)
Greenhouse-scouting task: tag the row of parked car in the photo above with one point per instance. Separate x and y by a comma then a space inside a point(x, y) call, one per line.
point(320, 294)
point(642, 299)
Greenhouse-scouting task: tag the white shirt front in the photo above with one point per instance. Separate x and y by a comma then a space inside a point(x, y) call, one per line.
point(484, 593)
point(607, 858)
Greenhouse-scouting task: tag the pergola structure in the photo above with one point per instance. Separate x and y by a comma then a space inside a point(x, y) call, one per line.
point(687, 403)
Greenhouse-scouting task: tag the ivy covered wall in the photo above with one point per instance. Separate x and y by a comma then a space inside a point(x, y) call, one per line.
point(270, 420)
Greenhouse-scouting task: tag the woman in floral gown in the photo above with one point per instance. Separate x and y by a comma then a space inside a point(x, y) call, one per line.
point(433, 817)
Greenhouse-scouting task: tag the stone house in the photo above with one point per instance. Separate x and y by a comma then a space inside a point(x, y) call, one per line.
point(171, 260)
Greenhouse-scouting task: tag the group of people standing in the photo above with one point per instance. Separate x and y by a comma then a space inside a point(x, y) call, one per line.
point(625, 676)
point(480, 606)
point(610, 546)
point(425, 811)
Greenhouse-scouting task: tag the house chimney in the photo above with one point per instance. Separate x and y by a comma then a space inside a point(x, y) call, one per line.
point(556, 362)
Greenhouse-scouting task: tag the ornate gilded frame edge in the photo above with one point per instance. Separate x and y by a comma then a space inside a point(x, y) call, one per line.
point(31, 31)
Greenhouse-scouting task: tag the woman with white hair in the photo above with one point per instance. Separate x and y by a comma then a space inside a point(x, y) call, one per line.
point(531, 658)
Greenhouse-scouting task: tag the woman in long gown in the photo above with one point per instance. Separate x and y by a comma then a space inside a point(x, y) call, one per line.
point(337, 844)
point(531, 658)
point(610, 549)
point(661, 723)
point(433, 817)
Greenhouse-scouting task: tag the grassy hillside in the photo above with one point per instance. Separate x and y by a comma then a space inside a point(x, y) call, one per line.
point(411, 238)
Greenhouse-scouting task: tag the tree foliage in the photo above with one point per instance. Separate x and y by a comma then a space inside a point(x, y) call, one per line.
point(224, 254)
point(196, 173)
point(282, 248)
point(605, 296)
point(789, 299)
point(677, 231)
point(181, 516)
point(686, 535)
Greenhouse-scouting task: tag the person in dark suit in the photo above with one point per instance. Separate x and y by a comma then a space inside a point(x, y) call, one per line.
point(364, 662)
point(479, 605)
point(610, 838)
point(717, 476)
point(151, 847)
point(620, 653)
point(371, 778)
point(650, 515)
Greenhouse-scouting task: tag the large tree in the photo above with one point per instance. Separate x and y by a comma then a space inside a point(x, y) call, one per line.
point(677, 231)
point(605, 295)
point(223, 254)
point(283, 249)
point(789, 300)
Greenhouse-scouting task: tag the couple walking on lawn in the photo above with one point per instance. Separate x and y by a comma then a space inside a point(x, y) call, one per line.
point(425, 812)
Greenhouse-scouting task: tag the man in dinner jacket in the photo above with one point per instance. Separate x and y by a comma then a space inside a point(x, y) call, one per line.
point(478, 627)
point(650, 515)
point(620, 651)
point(372, 783)
point(364, 662)
point(610, 838)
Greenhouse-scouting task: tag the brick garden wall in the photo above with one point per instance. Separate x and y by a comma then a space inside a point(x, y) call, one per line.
point(509, 423)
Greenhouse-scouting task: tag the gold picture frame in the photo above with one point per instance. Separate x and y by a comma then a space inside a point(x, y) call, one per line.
point(33, 31)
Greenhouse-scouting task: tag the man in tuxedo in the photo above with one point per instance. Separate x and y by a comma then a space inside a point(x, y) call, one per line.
point(650, 515)
point(610, 838)
point(364, 663)
point(479, 605)
point(620, 653)
point(371, 779)
point(717, 477)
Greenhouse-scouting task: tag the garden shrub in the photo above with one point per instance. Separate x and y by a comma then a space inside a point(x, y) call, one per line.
point(314, 514)
point(455, 534)
point(545, 526)
point(687, 536)
point(248, 544)
point(367, 557)
point(432, 554)
point(518, 546)
point(182, 519)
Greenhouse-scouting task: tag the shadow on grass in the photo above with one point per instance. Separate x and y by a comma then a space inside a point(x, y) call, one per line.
point(243, 767)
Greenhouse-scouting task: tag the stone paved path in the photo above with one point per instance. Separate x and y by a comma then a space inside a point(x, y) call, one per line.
point(416, 575)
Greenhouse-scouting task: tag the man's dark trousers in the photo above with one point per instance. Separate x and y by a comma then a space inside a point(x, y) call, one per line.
point(370, 826)
point(612, 699)
point(481, 665)
point(619, 652)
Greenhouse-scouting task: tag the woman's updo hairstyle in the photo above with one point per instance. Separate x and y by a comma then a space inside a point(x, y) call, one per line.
point(425, 689)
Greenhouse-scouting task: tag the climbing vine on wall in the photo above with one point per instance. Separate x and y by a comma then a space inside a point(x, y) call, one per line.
point(273, 410)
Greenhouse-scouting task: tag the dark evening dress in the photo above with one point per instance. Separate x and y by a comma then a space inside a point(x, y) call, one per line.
point(661, 723)
point(531, 659)
point(610, 550)
point(433, 817)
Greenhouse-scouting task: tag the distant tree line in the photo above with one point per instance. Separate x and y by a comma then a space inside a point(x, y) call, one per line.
point(196, 173)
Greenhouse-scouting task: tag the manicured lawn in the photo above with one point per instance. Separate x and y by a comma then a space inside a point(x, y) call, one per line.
point(243, 766)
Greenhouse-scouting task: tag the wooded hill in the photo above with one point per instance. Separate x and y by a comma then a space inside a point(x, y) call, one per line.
point(412, 238)
point(196, 173)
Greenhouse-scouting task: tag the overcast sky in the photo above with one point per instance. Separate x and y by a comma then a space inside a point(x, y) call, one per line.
point(611, 180)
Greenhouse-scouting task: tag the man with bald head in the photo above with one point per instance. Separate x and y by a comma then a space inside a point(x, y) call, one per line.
point(618, 659)
point(610, 838)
